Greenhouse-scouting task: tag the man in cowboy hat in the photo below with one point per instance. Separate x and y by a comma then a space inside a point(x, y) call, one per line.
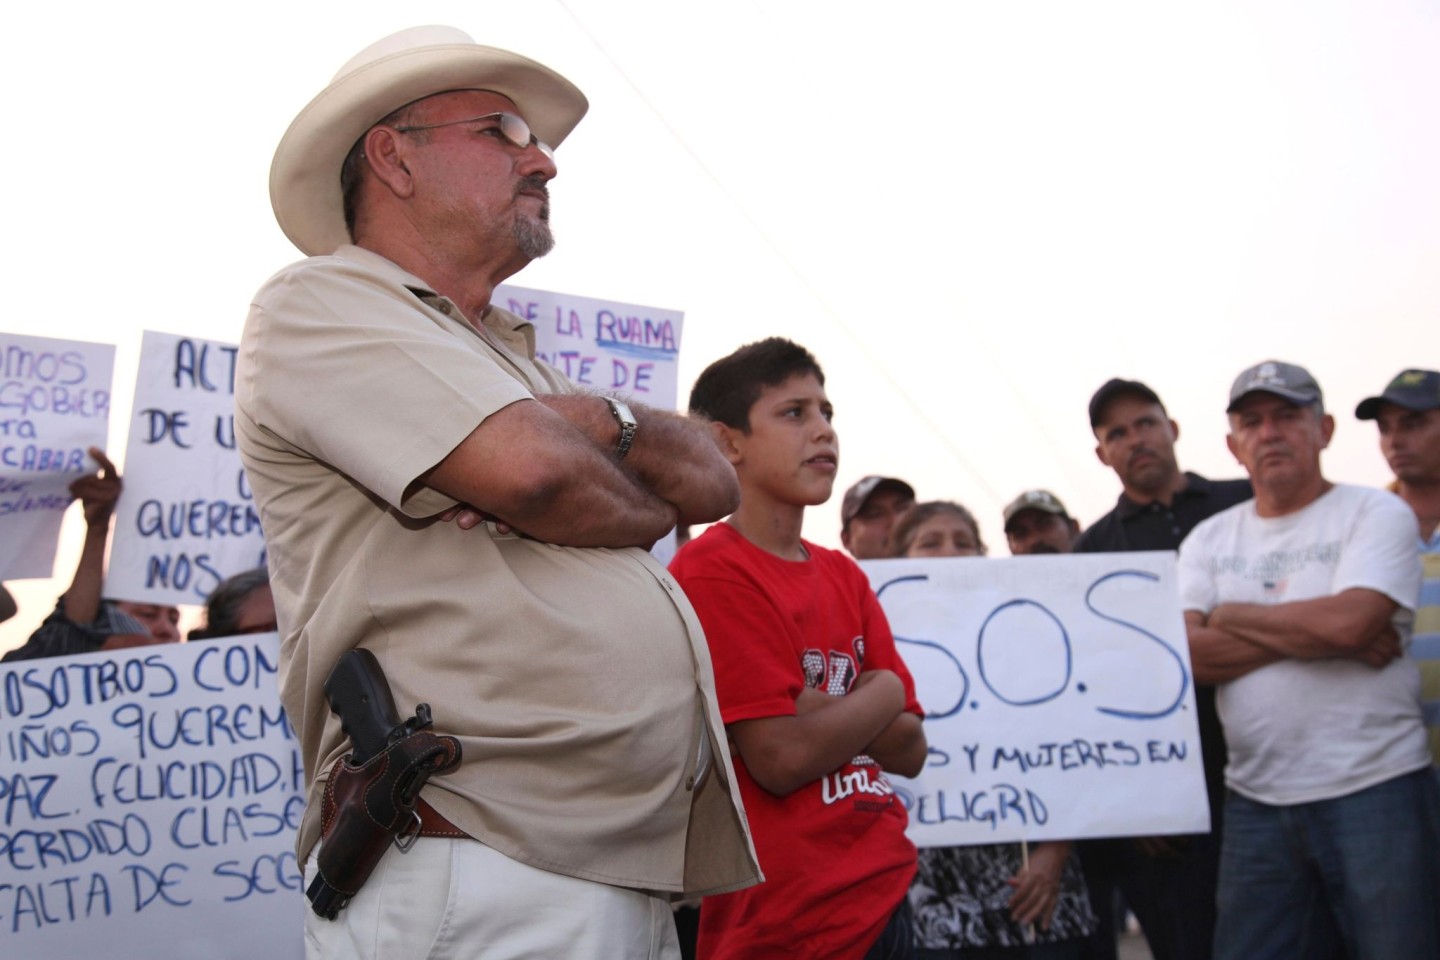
point(378, 393)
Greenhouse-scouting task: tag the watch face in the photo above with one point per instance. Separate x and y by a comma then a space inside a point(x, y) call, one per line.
point(622, 412)
point(626, 420)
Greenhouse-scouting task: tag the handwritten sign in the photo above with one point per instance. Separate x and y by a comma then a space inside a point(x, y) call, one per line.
point(612, 347)
point(149, 797)
point(187, 518)
point(54, 405)
point(1058, 695)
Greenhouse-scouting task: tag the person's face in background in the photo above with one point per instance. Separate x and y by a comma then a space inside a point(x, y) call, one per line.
point(257, 612)
point(944, 535)
point(163, 622)
point(1410, 441)
point(1036, 531)
point(867, 535)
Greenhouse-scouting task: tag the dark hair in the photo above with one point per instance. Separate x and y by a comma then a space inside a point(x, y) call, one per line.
point(903, 532)
point(355, 159)
point(729, 387)
point(223, 605)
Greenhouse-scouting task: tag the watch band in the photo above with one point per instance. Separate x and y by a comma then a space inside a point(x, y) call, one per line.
point(626, 419)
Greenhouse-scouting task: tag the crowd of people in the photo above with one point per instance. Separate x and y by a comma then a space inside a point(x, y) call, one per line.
point(721, 731)
point(1313, 610)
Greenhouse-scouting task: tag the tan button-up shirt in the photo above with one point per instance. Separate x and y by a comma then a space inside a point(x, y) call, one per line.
point(577, 679)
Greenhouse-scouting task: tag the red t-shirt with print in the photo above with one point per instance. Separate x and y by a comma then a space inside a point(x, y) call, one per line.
point(835, 856)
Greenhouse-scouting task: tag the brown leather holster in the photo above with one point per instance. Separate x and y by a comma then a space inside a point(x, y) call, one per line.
point(366, 808)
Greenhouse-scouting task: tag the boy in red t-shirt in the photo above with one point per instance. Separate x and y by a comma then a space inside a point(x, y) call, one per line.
point(815, 699)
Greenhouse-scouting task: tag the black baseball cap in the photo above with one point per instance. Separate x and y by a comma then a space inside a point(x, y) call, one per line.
point(1115, 387)
point(1411, 389)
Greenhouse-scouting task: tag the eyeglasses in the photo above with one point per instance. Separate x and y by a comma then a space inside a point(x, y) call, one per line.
point(511, 127)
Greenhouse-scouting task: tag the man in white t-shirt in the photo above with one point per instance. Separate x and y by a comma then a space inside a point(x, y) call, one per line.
point(1299, 605)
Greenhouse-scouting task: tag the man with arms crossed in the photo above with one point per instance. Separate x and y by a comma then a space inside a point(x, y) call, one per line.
point(1298, 605)
point(1169, 882)
point(379, 390)
point(1408, 415)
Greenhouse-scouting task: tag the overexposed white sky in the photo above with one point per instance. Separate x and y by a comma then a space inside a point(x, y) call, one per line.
point(974, 212)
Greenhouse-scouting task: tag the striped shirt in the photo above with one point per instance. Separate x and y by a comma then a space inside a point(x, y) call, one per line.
point(1425, 644)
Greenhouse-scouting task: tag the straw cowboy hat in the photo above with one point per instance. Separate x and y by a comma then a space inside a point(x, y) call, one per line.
point(382, 78)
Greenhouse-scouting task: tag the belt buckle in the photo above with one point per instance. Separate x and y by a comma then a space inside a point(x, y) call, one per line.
point(406, 838)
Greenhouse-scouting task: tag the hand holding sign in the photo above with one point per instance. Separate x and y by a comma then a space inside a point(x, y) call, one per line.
point(1037, 885)
point(98, 492)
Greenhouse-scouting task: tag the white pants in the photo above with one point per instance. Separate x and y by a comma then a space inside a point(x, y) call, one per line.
point(460, 899)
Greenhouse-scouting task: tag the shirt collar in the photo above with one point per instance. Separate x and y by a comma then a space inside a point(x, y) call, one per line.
point(384, 266)
point(502, 322)
point(1195, 486)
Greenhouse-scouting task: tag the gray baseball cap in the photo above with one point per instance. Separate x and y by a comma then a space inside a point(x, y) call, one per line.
point(1288, 381)
point(1412, 389)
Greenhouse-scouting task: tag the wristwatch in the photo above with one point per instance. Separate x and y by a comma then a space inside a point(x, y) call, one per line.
point(626, 419)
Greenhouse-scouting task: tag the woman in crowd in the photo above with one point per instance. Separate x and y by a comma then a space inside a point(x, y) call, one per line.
point(992, 900)
point(239, 605)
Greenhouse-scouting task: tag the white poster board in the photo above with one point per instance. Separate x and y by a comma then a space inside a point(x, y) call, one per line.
point(1058, 693)
point(149, 798)
point(187, 518)
point(618, 348)
point(54, 406)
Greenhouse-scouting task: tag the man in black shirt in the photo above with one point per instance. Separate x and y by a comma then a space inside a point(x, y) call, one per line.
point(1159, 504)
point(1168, 882)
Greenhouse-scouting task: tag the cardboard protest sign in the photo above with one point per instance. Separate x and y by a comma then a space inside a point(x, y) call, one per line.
point(54, 406)
point(150, 798)
point(1058, 694)
point(187, 518)
point(611, 347)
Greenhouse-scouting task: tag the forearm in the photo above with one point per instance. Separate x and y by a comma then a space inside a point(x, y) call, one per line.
point(82, 598)
point(594, 506)
point(674, 457)
point(1051, 854)
point(901, 747)
point(540, 475)
point(1218, 656)
point(1337, 626)
point(784, 753)
point(678, 459)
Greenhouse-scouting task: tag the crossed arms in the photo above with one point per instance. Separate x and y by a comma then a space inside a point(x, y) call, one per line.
point(1237, 638)
point(783, 753)
point(546, 467)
